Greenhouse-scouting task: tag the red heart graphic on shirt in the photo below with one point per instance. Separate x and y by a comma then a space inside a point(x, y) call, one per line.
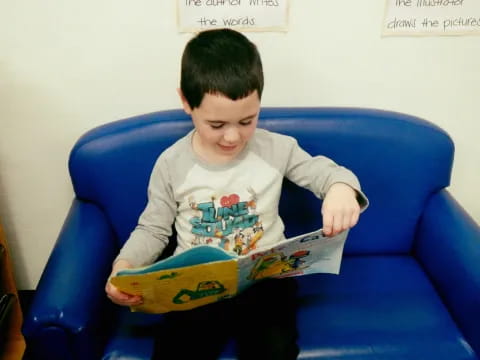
point(228, 201)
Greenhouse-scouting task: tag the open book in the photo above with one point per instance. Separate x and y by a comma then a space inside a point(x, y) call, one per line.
point(205, 274)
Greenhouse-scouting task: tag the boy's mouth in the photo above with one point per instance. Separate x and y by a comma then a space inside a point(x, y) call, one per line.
point(227, 147)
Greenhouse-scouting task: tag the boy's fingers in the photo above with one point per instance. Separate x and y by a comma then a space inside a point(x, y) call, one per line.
point(347, 223)
point(137, 301)
point(128, 300)
point(327, 224)
point(133, 300)
point(121, 298)
point(354, 219)
point(337, 224)
point(112, 291)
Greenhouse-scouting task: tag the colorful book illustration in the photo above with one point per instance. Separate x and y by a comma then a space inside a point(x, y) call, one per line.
point(206, 274)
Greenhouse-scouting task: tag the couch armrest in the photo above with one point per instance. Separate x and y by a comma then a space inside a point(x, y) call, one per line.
point(67, 316)
point(448, 247)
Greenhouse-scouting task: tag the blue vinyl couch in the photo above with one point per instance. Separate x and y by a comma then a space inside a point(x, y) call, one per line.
point(409, 286)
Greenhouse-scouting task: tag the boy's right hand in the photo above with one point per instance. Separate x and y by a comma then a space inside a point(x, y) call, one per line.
point(117, 296)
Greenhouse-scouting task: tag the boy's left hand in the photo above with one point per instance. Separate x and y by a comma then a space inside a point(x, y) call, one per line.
point(340, 209)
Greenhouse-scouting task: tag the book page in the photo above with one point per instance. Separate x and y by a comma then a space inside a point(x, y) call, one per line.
point(182, 288)
point(301, 255)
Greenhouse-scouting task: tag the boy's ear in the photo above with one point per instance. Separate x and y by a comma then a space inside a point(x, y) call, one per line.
point(186, 106)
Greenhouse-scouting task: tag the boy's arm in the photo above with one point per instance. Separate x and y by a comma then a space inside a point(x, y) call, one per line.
point(319, 173)
point(150, 236)
point(336, 185)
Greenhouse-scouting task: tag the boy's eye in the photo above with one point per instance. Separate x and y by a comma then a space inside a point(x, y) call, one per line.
point(216, 125)
point(245, 123)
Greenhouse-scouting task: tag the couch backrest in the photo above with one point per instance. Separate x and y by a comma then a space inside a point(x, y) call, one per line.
point(400, 161)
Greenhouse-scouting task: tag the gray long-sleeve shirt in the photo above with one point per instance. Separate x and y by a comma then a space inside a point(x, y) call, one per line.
point(235, 205)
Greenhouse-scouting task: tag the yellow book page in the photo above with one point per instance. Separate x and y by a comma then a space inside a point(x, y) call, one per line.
point(183, 288)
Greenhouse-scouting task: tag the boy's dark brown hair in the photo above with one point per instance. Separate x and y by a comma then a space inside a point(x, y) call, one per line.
point(222, 62)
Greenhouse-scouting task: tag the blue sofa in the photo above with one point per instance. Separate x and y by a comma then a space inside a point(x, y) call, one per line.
point(409, 286)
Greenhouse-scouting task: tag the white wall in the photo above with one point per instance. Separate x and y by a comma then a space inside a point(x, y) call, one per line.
point(67, 66)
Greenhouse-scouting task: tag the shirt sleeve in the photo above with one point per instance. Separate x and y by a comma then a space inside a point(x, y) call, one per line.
point(319, 173)
point(150, 236)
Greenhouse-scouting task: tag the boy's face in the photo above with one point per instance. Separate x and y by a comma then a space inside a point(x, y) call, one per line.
point(223, 126)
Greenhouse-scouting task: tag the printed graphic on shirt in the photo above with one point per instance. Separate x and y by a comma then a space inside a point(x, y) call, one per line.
point(229, 222)
point(234, 208)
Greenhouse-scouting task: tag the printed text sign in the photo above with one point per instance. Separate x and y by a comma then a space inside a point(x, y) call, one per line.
point(244, 15)
point(432, 17)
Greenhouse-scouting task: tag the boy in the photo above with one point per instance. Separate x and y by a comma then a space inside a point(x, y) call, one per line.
point(221, 185)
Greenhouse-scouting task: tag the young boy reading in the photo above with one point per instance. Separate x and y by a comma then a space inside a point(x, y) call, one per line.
point(220, 185)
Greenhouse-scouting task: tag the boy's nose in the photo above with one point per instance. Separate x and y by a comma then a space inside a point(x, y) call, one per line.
point(231, 135)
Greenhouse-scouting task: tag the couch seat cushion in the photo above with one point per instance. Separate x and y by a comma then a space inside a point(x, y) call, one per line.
point(379, 307)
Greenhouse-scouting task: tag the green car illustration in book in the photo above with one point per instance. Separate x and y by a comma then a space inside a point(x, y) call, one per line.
point(204, 289)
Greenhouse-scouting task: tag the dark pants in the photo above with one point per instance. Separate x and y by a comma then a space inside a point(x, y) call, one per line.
point(262, 320)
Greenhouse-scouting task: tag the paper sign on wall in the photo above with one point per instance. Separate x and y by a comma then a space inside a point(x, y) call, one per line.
point(431, 17)
point(242, 15)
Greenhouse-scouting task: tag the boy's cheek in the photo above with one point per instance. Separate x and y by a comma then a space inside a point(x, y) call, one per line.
point(250, 131)
point(207, 133)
